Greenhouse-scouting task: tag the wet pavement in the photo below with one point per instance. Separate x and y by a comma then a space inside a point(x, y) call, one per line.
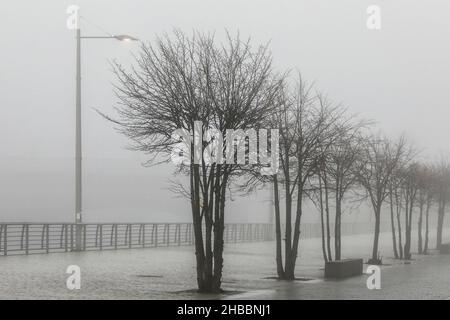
point(169, 273)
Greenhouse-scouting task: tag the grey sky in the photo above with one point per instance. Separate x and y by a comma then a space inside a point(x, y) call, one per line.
point(397, 76)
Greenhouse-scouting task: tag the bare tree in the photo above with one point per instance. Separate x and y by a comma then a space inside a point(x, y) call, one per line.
point(307, 124)
point(336, 176)
point(396, 205)
point(442, 190)
point(295, 121)
point(424, 203)
point(410, 190)
point(430, 198)
point(379, 159)
point(182, 94)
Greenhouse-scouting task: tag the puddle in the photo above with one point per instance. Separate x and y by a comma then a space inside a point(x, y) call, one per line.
point(223, 293)
point(296, 279)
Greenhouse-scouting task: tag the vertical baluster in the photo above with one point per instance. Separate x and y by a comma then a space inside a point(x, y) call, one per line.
point(61, 237)
point(5, 240)
point(42, 236)
point(47, 239)
point(71, 237)
point(126, 235)
point(84, 237)
point(143, 235)
point(140, 234)
point(22, 236)
point(129, 236)
point(115, 236)
point(164, 234)
point(96, 235)
point(1, 236)
point(101, 237)
point(27, 239)
point(112, 235)
point(65, 237)
point(168, 234)
point(152, 238)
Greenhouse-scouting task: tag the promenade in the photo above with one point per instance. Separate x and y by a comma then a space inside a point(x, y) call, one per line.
point(169, 273)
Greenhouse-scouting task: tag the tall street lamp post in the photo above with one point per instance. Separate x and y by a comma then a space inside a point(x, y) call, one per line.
point(78, 150)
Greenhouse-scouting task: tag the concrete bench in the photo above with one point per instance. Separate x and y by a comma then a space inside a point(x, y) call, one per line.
point(343, 268)
point(444, 248)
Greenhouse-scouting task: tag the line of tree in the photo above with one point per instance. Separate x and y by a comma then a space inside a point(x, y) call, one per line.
point(194, 83)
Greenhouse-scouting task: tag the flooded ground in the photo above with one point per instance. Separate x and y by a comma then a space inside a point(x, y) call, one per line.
point(169, 273)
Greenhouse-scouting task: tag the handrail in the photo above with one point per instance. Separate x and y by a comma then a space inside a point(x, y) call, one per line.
point(28, 238)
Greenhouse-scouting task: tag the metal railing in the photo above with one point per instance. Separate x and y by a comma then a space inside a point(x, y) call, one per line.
point(27, 238)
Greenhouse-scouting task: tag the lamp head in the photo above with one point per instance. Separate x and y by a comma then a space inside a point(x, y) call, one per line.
point(124, 37)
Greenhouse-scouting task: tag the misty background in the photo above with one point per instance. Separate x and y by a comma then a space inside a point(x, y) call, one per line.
point(396, 76)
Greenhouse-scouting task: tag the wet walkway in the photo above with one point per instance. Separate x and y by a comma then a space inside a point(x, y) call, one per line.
point(169, 273)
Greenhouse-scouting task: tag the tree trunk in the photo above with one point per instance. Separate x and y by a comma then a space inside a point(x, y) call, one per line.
point(376, 234)
point(399, 224)
point(290, 270)
point(440, 222)
point(288, 240)
point(202, 281)
point(394, 236)
point(324, 250)
point(419, 227)
point(327, 213)
point(337, 229)
point(219, 225)
point(279, 255)
point(407, 248)
point(427, 229)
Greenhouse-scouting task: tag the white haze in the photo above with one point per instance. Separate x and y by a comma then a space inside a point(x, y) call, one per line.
point(397, 76)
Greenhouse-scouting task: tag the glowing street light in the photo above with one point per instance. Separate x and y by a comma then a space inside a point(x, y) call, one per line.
point(78, 150)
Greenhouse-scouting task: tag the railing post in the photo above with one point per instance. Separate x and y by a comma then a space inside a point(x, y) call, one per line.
point(96, 235)
point(152, 238)
point(1, 236)
point(47, 239)
point(84, 237)
point(61, 237)
point(27, 237)
point(143, 235)
point(112, 235)
point(78, 232)
point(164, 234)
point(129, 236)
point(71, 237)
point(22, 236)
point(140, 234)
point(5, 240)
point(115, 236)
point(101, 237)
point(42, 236)
point(65, 237)
point(125, 238)
point(168, 234)
point(187, 235)
point(156, 234)
point(179, 234)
